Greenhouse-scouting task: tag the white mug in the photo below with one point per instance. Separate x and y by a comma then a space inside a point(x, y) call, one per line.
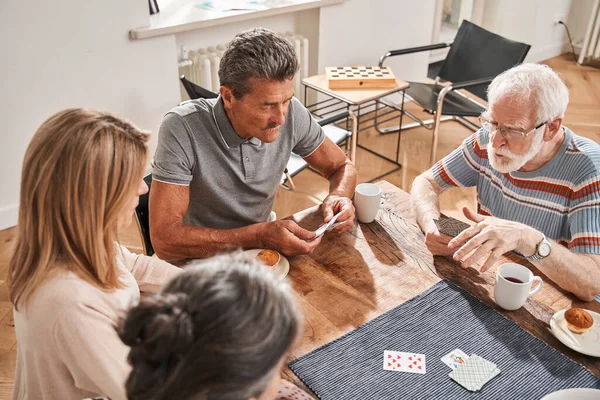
point(367, 198)
point(513, 286)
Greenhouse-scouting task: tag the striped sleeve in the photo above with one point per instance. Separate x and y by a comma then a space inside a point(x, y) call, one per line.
point(584, 217)
point(461, 167)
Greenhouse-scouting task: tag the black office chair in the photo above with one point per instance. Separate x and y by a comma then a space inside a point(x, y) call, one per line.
point(195, 91)
point(338, 135)
point(296, 163)
point(141, 216)
point(475, 58)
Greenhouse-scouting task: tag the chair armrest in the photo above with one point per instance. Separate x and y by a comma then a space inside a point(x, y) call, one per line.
point(461, 85)
point(400, 52)
point(334, 117)
point(474, 82)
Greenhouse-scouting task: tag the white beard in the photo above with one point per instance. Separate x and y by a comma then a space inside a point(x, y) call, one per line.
point(513, 162)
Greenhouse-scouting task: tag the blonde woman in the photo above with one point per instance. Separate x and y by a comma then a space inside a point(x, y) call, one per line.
point(69, 280)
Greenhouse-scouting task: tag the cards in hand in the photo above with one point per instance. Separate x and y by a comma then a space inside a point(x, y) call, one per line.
point(324, 228)
point(450, 226)
point(474, 373)
point(403, 362)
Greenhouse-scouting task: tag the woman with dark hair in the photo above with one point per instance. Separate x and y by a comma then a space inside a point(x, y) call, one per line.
point(219, 330)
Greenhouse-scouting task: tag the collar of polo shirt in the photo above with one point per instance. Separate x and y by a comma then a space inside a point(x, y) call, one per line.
point(229, 135)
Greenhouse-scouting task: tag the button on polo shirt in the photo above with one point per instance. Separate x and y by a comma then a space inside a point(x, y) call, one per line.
point(233, 181)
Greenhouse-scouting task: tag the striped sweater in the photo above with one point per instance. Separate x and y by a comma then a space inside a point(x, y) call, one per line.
point(560, 199)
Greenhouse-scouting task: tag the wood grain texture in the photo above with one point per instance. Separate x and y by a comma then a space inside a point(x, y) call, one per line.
point(356, 276)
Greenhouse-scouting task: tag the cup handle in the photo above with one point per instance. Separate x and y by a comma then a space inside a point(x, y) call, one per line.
point(539, 286)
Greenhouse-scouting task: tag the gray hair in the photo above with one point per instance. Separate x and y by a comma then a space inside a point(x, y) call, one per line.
point(533, 83)
point(256, 53)
point(216, 331)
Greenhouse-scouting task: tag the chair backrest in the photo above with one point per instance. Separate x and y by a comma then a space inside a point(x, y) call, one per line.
point(477, 53)
point(195, 91)
point(141, 214)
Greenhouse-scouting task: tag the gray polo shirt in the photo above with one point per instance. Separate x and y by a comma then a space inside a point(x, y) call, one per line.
point(233, 181)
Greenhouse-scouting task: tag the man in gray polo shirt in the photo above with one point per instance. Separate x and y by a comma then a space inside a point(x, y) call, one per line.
point(219, 162)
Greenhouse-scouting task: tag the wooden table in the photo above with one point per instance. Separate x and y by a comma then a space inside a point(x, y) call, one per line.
point(356, 276)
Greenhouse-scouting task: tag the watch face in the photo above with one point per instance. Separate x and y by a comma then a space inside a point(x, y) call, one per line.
point(544, 249)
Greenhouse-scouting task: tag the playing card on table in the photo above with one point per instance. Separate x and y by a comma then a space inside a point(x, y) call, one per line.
point(474, 373)
point(450, 226)
point(455, 358)
point(403, 362)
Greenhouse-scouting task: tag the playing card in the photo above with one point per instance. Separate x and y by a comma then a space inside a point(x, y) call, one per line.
point(324, 228)
point(455, 358)
point(450, 226)
point(403, 362)
point(474, 373)
point(495, 372)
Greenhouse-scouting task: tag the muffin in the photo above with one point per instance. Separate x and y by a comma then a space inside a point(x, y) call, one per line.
point(268, 257)
point(578, 320)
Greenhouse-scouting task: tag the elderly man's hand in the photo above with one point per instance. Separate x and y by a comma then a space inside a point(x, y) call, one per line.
point(492, 238)
point(287, 237)
point(334, 204)
point(437, 243)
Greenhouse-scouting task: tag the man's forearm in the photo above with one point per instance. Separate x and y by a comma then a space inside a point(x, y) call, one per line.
point(184, 241)
point(576, 273)
point(426, 205)
point(343, 181)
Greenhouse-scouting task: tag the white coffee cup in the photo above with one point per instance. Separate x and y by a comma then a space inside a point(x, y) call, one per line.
point(367, 198)
point(513, 286)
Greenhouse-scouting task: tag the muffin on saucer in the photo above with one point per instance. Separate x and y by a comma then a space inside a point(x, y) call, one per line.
point(578, 320)
point(269, 257)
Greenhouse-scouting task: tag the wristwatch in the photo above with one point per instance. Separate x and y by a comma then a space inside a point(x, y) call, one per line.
point(543, 250)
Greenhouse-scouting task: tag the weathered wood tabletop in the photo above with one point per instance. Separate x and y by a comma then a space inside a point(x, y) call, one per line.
point(356, 276)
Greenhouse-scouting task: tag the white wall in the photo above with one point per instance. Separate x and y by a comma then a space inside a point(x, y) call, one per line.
point(305, 23)
point(531, 22)
point(72, 53)
point(579, 16)
point(359, 31)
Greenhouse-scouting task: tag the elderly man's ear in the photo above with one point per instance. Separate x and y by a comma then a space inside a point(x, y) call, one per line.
point(553, 129)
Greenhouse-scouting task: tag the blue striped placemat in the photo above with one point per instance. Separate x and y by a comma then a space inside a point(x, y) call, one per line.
point(434, 323)
point(598, 298)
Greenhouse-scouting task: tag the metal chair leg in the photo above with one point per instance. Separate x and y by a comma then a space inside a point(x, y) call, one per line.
point(427, 123)
point(436, 123)
point(289, 180)
point(354, 138)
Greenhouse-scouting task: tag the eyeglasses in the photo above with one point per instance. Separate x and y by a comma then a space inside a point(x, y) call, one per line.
point(508, 134)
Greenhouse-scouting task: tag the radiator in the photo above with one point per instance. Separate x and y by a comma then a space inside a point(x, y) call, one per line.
point(201, 66)
point(590, 50)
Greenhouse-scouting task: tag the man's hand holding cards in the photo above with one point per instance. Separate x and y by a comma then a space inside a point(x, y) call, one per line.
point(447, 228)
point(450, 226)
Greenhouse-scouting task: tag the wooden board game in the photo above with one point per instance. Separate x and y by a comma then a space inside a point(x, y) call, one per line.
point(358, 77)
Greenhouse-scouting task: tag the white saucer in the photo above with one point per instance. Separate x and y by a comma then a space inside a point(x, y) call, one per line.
point(587, 343)
point(571, 394)
point(281, 269)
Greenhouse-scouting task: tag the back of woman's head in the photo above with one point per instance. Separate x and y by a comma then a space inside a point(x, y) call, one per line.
point(78, 174)
point(217, 331)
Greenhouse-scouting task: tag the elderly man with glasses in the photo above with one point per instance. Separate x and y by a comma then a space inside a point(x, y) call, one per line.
point(538, 185)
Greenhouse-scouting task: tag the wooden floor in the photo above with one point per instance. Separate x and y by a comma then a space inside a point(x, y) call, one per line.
point(583, 117)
